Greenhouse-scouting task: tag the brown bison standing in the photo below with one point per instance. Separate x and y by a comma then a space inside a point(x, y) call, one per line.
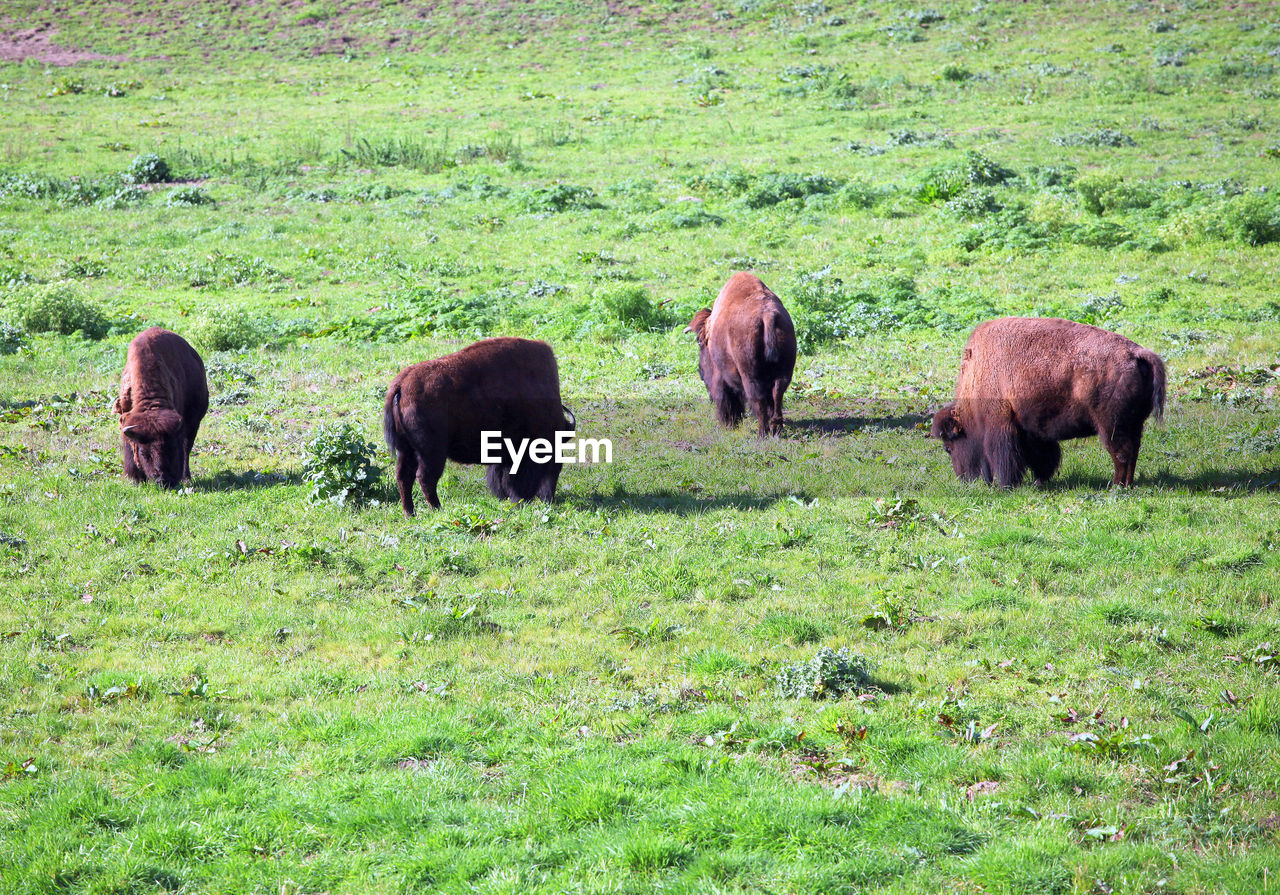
point(746, 352)
point(437, 410)
point(163, 397)
point(1027, 383)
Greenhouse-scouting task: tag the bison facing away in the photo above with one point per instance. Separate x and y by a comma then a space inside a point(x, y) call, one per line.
point(746, 352)
point(1026, 384)
point(438, 410)
point(163, 397)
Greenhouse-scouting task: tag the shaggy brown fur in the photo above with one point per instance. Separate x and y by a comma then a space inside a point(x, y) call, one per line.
point(746, 352)
point(437, 409)
point(1028, 383)
point(163, 397)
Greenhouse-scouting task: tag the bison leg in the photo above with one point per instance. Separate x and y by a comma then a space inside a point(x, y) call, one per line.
point(498, 477)
point(1002, 457)
point(1042, 457)
point(547, 487)
point(406, 472)
point(1123, 446)
point(131, 470)
point(430, 468)
point(779, 389)
point(189, 431)
point(762, 406)
point(729, 405)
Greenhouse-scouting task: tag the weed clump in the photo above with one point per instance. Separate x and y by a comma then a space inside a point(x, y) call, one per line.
point(1103, 137)
point(770, 189)
point(632, 307)
point(557, 198)
point(945, 183)
point(338, 462)
point(228, 329)
point(829, 674)
point(13, 338)
point(58, 308)
point(1254, 220)
point(189, 196)
point(147, 168)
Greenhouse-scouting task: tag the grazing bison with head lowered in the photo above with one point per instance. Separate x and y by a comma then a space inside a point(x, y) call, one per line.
point(437, 410)
point(1027, 383)
point(746, 352)
point(163, 397)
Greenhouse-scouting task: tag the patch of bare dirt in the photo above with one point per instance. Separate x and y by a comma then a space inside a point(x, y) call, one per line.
point(37, 43)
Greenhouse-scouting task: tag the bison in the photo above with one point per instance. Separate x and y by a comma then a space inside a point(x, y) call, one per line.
point(438, 410)
point(746, 352)
point(1026, 384)
point(163, 397)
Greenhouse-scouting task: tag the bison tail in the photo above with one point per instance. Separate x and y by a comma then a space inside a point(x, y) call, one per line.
point(390, 418)
point(1157, 383)
point(771, 338)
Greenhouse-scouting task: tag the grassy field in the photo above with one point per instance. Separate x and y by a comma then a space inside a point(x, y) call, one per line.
point(235, 689)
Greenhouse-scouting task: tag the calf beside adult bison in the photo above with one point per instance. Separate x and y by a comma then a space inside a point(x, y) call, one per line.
point(1026, 384)
point(438, 410)
point(746, 352)
point(163, 397)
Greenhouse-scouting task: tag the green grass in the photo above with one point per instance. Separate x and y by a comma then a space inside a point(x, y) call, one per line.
point(232, 689)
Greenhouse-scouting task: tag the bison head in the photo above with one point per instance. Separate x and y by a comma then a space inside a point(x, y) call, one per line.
point(964, 449)
point(157, 443)
point(698, 326)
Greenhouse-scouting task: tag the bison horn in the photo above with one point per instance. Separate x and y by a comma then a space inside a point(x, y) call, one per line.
point(569, 416)
point(126, 429)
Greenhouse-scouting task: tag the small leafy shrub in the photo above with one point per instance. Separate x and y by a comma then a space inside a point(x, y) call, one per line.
point(228, 329)
point(956, 73)
point(632, 307)
point(80, 192)
point(338, 462)
point(543, 289)
point(907, 137)
point(557, 198)
point(13, 338)
point(1105, 136)
point(219, 270)
point(830, 673)
point(860, 194)
point(147, 168)
point(1173, 56)
point(188, 196)
point(80, 269)
point(58, 308)
point(1050, 176)
point(731, 181)
point(976, 203)
point(1100, 193)
point(770, 189)
point(12, 275)
point(123, 197)
point(477, 312)
point(945, 183)
point(29, 186)
point(1254, 219)
point(1096, 309)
